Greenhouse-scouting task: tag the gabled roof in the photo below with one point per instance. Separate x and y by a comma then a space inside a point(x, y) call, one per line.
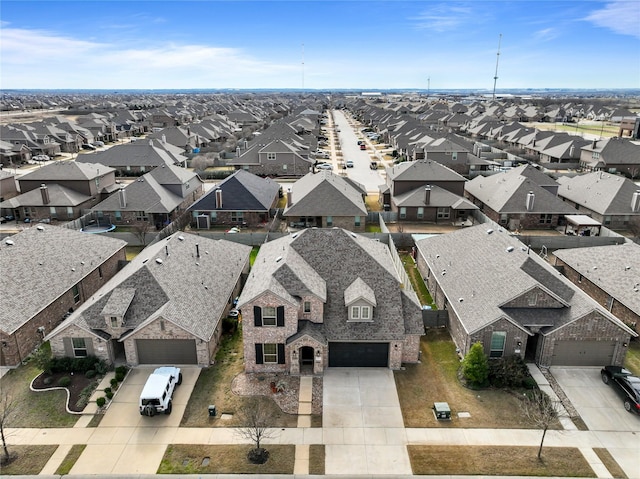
point(185, 279)
point(614, 269)
point(43, 263)
point(438, 198)
point(242, 191)
point(422, 170)
point(326, 262)
point(140, 153)
point(58, 196)
point(325, 194)
point(604, 193)
point(480, 270)
point(507, 193)
point(67, 171)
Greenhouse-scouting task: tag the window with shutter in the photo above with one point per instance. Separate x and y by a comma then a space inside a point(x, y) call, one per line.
point(280, 316)
point(257, 316)
point(259, 357)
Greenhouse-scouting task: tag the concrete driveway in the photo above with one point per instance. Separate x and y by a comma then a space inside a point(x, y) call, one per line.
point(126, 442)
point(601, 408)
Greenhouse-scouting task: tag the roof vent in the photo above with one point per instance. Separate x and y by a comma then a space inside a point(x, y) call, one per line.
point(40, 228)
point(278, 259)
point(159, 260)
point(9, 242)
point(181, 238)
point(460, 300)
point(489, 231)
point(509, 249)
point(295, 235)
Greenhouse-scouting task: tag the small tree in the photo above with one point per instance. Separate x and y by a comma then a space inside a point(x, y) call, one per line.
point(140, 230)
point(7, 406)
point(256, 419)
point(475, 365)
point(542, 411)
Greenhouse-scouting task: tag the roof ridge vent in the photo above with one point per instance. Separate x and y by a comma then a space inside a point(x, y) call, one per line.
point(159, 260)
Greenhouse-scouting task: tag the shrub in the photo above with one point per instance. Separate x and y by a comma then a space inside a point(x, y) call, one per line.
point(114, 382)
point(101, 367)
point(529, 383)
point(508, 372)
point(108, 394)
point(41, 357)
point(47, 381)
point(91, 373)
point(475, 366)
point(119, 377)
point(101, 401)
point(107, 390)
point(64, 381)
point(121, 370)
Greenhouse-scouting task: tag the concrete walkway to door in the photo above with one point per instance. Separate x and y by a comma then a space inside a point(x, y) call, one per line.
point(363, 429)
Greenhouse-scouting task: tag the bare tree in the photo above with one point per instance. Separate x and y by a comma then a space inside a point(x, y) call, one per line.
point(257, 418)
point(7, 407)
point(542, 411)
point(140, 230)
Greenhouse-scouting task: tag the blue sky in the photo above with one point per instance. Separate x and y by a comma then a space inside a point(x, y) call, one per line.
point(319, 44)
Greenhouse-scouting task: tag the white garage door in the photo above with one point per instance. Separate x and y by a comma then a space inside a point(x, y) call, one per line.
point(583, 353)
point(166, 351)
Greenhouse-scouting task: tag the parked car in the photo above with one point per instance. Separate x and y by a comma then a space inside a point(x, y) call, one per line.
point(324, 166)
point(98, 143)
point(157, 392)
point(363, 146)
point(322, 154)
point(41, 158)
point(88, 146)
point(626, 384)
point(349, 163)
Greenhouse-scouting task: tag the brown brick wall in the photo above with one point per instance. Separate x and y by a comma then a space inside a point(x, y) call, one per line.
point(27, 338)
point(101, 348)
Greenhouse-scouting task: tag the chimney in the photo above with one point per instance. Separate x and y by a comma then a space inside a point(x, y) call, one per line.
point(572, 150)
point(122, 196)
point(246, 144)
point(44, 191)
point(197, 250)
point(289, 198)
point(530, 200)
point(427, 194)
point(238, 151)
point(164, 138)
point(150, 142)
point(218, 198)
point(635, 202)
point(595, 142)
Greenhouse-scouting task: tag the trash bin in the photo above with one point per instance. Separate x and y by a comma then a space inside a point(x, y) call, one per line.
point(442, 410)
point(212, 410)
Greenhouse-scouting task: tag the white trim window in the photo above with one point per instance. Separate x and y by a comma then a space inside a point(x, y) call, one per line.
point(79, 347)
point(270, 353)
point(271, 156)
point(269, 316)
point(360, 313)
point(498, 339)
point(444, 213)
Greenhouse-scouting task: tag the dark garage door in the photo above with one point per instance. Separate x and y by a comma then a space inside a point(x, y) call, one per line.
point(583, 353)
point(372, 355)
point(166, 351)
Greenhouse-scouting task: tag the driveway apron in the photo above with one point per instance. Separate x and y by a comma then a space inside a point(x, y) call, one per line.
point(125, 441)
point(363, 430)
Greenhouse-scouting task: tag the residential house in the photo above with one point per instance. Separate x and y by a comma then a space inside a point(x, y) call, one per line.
point(612, 200)
point(499, 293)
point(327, 297)
point(155, 198)
point(273, 158)
point(326, 200)
point(165, 307)
point(612, 155)
point(47, 272)
point(609, 274)
point(137, 158)
point(242, 199)
point(14, 154)
point(521, 198)
point(8, 186)
point(425, 190)
point(61, 191)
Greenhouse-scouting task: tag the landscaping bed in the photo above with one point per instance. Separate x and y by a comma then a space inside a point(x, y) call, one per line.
point(78, 384)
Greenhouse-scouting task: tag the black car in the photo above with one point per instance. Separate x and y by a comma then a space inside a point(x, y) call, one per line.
point(626, 384)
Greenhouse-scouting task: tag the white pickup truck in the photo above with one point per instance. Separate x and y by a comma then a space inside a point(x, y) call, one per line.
point(157, 393)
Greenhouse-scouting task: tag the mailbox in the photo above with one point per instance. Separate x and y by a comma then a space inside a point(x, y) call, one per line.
point(212, 410)
point(442, 410)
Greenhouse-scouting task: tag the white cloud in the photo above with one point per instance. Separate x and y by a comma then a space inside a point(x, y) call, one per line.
point(443, 17)
point(545, 35)
point(620, 16)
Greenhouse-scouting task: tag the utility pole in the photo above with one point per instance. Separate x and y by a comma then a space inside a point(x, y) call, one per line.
point(495, 76)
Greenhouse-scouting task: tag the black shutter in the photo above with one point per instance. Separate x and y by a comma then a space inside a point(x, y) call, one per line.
point(259, 356)
point(257, 316)
point(280, 353)
point(280, 316)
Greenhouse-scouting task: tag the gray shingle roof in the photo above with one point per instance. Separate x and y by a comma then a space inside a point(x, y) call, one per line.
point(479, 272)
point(614, 269)
point(67, 171)
point(601, 192)
point(43, 263)
point(190, 291)
point(58, 196)
point(327, 262)
point(325, 194)
point(422, 170)
point(439, 197)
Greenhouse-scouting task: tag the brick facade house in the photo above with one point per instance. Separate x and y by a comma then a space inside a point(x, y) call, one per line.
point(498, 293)
point(306, 308)
point(48, 272)
point(165, 307)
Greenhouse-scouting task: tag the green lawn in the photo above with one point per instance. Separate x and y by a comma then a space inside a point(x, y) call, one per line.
point(632, 360)
point(416, 280)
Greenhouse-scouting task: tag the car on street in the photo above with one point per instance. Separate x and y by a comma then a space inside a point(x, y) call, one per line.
point(349, 163)
point(88, 146)
point(41, 158)
point(322, 154)
point(363, 146)
point(324, 166)
point(625, 383)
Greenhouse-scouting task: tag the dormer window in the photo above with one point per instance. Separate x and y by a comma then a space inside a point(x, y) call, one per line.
point(360, 300)
point(115, 322)
point(271, 156)
point(360, 313)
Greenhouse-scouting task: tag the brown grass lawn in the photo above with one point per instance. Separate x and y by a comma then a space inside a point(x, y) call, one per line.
point(227, 459)
point(316, 459)
point(69, 461)
point(632, 360)
point(214, 387)
point(610, 463)
point(435, 380)
point(498, 461)
point(29, 460)
point(35, 409)
point(371, 202)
